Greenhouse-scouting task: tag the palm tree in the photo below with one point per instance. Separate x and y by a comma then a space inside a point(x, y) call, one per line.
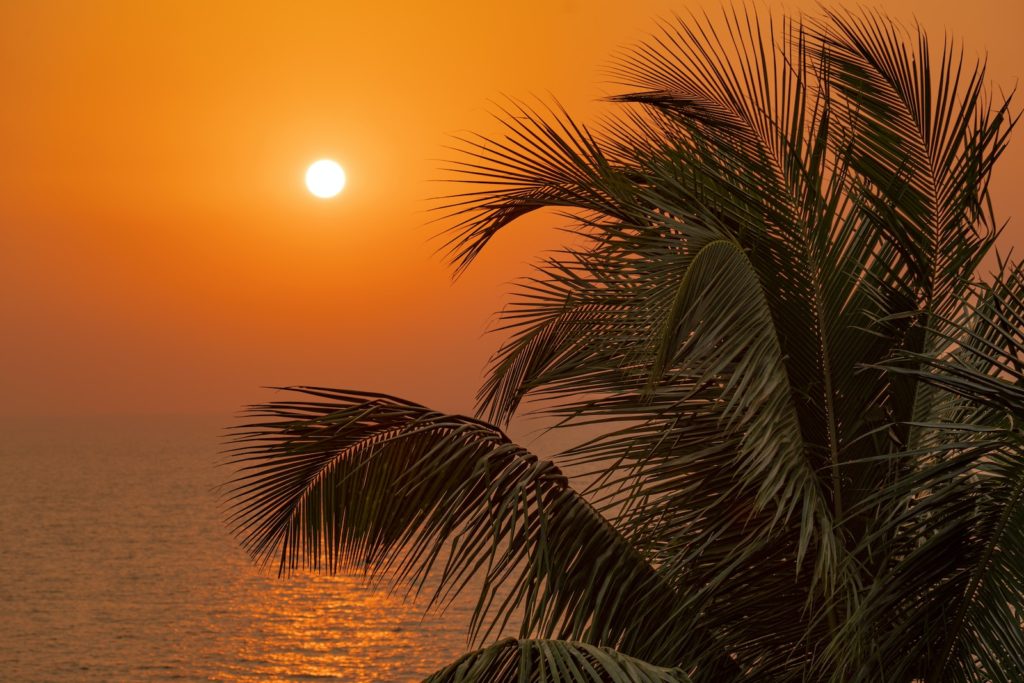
point(810, 464)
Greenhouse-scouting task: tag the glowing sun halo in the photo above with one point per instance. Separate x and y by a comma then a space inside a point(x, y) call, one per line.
point(325, 178)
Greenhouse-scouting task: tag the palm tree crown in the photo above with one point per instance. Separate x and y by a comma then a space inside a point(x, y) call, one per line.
point(810, 465)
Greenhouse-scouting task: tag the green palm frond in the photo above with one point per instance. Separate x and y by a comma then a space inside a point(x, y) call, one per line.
point(984, 361)
point(946, 604)
point(537, 164)
point(925, 142)
point(340, 479)
point(552, 661)
point(954, 532)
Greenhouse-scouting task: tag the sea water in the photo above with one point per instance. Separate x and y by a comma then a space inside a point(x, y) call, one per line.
point(116, 565)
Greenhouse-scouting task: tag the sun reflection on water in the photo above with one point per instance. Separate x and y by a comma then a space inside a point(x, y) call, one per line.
point(338, 628)
point(139, 580)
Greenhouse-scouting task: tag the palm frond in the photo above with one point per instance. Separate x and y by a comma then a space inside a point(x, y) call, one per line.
point(537, 164)
point(715, 478)
point(948, 604)
point(926, 138)
point(984, 361)
point(552, 661)
point(341, 479)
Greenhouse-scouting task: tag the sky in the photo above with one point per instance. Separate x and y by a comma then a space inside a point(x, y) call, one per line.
point(160, 254)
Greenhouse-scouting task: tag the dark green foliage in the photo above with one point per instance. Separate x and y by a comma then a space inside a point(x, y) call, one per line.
point(552, 661)
point(811, 462)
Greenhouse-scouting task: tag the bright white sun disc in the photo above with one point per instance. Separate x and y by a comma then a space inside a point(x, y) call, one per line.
point(325, 178)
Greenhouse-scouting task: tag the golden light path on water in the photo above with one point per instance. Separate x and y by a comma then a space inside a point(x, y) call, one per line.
point(323, 627)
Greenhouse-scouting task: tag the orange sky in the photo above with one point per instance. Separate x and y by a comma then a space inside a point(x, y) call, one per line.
point(158, 251)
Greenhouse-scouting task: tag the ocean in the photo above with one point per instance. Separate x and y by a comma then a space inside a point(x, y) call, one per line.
point(115, 565)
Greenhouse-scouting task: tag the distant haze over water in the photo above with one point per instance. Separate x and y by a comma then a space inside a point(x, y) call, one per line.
point(115, 566)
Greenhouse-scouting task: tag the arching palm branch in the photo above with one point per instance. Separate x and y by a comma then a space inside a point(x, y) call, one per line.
point(810, 466)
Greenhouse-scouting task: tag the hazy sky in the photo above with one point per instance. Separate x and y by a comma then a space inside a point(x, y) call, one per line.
point(158, 251)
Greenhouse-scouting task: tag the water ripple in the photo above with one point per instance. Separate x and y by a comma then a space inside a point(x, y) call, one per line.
point(116, 567)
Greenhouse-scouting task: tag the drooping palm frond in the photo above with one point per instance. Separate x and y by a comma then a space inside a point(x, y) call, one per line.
point(340, 479)
point(537, 164)
point(552, 661)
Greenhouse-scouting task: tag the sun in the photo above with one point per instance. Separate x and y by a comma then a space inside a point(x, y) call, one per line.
point(325, 178)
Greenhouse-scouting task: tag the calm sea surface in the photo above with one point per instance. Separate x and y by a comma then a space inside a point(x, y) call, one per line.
point(115, 566)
